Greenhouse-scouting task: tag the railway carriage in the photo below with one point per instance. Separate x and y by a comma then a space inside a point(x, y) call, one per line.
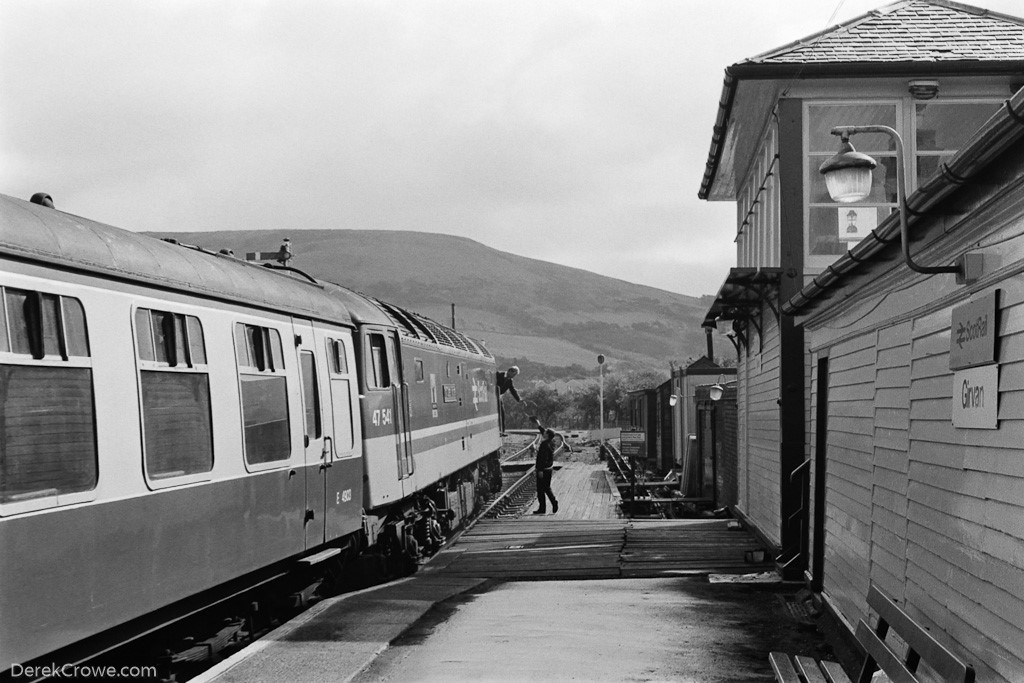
point(178, 425)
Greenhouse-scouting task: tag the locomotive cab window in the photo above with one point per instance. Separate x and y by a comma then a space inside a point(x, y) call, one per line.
point(418, 365)
point(377, 374)
point(174, 383)
point(47, 408)
point(264, 391)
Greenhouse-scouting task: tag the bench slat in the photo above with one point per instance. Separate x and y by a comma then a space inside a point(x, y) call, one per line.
point(783, 668)
point(833, 672)
point(809, 668)
point(883, 656)
point(939, 659)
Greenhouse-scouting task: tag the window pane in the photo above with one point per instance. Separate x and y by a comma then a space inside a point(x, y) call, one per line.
point(51, 324)
point(47, 431)
point(419, 370)
point(4, 340)
point(254, 340)
point(824, 233)
point(883, 181)
point(927, 166)
point(310, 395)
point(74, 327)
point(195, 340)
point(338, 359)
point(822, 118)
point(275, 349)
point(163, 328)
point(265, 418)
point(176, 423)
point(17, 322)
point(242, 346)
point(342, 401)
point(180, 357)
point(943, 126)
point(377, 359)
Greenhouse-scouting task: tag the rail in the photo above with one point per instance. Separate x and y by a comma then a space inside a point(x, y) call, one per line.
point(619, 463)
point(520, 453)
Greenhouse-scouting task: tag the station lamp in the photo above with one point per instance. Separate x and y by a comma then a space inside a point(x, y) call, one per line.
point(848, 179)
point(717, 390)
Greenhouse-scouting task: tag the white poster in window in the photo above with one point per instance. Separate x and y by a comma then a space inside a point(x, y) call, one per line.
point(855, 222)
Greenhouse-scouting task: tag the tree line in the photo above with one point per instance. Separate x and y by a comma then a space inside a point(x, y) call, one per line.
point(578, 407)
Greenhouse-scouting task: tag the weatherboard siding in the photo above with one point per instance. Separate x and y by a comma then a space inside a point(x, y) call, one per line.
point(931, 514)
point(761, 387)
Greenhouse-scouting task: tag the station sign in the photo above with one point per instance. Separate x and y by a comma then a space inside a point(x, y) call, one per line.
point(973, 332)
point(976, 398)
point(631, 443)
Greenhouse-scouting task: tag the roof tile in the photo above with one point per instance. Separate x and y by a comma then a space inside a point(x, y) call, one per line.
point(910, 31)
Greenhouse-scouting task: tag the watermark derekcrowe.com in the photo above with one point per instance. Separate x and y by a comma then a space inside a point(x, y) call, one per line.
point(78, 671)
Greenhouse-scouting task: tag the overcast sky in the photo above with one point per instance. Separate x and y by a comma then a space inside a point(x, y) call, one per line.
point(574, 132)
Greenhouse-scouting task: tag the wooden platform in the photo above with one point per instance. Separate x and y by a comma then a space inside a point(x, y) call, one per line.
point(589, 538)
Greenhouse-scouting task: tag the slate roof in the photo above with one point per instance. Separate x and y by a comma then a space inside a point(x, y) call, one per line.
point(910, 31)
point(914, 38)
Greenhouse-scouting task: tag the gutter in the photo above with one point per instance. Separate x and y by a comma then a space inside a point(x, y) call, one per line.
point(998, 134)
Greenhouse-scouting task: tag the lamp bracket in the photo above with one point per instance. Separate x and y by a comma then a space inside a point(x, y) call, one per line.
point(844, 133)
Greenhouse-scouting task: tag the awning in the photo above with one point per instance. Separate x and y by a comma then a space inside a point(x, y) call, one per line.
point(743, 296)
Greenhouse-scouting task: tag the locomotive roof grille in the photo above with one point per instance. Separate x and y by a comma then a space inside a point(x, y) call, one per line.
point(422, 327)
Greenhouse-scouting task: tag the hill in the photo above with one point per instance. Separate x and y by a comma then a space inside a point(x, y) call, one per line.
point(522, 308)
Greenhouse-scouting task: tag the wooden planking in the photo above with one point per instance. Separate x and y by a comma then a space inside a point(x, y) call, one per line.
point(521, 549)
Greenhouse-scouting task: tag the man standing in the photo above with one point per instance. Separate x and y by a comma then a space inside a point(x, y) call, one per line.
point(544, 467)
point(503, 384)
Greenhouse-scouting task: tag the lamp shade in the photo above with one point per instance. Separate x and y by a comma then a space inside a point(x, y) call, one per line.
point(716, 391)
point(848, 174)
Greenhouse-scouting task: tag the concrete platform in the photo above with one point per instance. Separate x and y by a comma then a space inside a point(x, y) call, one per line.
point(579, 595)
point(339, 637)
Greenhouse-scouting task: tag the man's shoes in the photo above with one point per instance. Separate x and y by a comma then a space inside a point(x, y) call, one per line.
point(554, 507)
point(540, 512)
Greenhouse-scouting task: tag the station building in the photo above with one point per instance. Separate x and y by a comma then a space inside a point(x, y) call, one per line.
point(880, 429)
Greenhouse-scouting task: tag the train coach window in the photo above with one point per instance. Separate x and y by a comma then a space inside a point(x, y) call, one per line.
point(264, 390)
point(47, 410)
point(174, 382)
point(419, 370)
point(310, 395)
point(172, 339)
point(43, 325)
point(259, 347)
point(341, 398)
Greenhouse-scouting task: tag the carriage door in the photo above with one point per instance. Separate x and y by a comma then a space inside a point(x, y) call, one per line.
point(317, 441)
point(342, 463)
point(400, 399)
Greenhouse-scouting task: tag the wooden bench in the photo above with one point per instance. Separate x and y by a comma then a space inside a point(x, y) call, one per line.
point(920, 646)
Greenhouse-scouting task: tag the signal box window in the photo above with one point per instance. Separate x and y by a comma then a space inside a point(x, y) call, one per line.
point(264, 391)
point(47, 410)
point(377, 374)
point(177, 426)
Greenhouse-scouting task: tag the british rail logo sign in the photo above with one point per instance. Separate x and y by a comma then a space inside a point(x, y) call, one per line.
point(973, 332)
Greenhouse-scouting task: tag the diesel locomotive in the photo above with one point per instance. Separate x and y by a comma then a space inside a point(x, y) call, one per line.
point(176, 422)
